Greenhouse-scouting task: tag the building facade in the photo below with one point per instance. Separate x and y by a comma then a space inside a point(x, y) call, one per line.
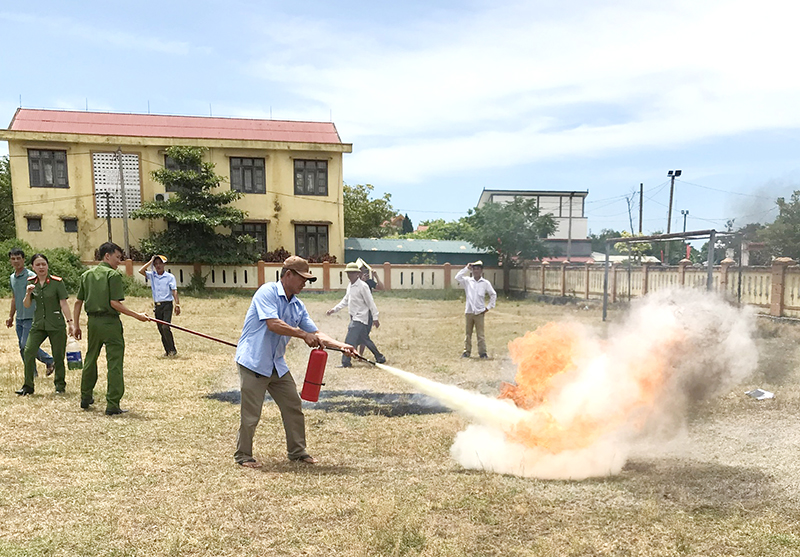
point(570, 240)
point(67, 181)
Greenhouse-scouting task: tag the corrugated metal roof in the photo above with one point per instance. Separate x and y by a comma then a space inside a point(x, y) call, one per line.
point(410, 245)
point(183, 127)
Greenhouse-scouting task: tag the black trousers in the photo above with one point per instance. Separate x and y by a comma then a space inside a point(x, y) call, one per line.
point(163, 311)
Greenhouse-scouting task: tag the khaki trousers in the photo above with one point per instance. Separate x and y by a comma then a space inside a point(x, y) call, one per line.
point(284, 392)
point(476, 321)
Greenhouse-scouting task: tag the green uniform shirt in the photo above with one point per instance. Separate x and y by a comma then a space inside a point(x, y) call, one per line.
point(48, 296)
point(98, 287)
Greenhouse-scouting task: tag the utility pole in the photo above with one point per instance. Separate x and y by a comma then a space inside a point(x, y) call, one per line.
point(629, 200)
point(124, 204)
point(672, 175)
point(641, 204)
point(108, 212)
point(569, 229)
point(685, 214)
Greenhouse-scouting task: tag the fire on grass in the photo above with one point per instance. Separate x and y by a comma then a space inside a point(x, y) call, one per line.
point(580, 402)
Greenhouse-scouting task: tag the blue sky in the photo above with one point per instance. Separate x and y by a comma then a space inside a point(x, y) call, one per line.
point(442, 99)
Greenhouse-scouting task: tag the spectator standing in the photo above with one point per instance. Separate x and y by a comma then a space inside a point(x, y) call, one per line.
point(24, 316)
point(48, 322)
point(165, 299)
point(476, 289)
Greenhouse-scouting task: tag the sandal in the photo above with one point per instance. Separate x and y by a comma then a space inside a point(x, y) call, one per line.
point(250, 463)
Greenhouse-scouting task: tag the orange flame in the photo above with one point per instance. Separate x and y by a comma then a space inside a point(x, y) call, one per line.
point(549, 358)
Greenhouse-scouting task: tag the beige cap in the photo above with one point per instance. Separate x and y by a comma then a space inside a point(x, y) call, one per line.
point(477, 263)
point(163, 258)
point(299, 266)
point(352, 268)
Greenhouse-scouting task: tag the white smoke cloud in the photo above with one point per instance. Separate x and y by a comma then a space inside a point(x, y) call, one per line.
point(690, 344)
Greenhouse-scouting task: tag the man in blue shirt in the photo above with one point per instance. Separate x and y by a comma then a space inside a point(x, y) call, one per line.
point(19, 284)
point(165, 292)
point(275, 315)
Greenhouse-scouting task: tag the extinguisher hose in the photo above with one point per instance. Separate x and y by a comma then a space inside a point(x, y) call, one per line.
point(359, 356)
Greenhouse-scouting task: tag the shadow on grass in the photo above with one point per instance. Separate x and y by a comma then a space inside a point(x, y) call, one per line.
point(360, 403)
point(702, 487)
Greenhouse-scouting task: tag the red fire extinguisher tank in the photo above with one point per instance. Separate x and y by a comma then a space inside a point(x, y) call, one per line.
point(314, 373)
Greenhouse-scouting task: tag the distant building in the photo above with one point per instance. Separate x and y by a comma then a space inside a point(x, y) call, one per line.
point(66, 176)
point(398, 251)
point(566, 207)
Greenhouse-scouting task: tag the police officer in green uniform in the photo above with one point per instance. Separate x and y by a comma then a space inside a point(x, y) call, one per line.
point(102, 291)
point(51, 296)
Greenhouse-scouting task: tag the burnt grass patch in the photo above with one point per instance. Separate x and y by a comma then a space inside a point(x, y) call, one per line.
point(360, 403)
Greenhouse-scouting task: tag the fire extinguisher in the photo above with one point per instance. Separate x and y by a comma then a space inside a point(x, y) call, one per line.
point(314, 373)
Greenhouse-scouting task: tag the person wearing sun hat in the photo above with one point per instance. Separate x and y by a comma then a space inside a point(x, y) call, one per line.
point(476, 288)
point(363, 314)
point(275, 315)
point(165, 298)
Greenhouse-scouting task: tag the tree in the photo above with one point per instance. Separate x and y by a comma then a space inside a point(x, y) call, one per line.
point(193, 212)
point(439, 229)
point(599, 240)
point(7, 225)
point(634, 250)
point(408, 227)
point(515, 230)
point(783, 235)
point(363, 216)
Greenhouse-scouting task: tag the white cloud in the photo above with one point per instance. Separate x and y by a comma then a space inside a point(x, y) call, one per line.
point(64, 26)
point(514, 86)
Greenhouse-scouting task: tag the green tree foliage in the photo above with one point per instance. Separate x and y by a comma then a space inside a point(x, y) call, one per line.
point(599, 240)
point(363, 216)
point(634, 250)
point(64, 263)
point(439, 229)
point(783, 235)
point(408, 226)
point(193, 213)
point(515, 231)
point(7, 229)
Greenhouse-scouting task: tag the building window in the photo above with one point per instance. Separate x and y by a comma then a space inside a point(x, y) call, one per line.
point(257, 230)
point(310, 177)
point(247, 175)
point(48, 169)
point(34, 224)
point(310, 240)
point(171, 164)
point(70, 225)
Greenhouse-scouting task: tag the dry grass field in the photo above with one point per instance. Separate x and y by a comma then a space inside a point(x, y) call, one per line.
point(161, 480)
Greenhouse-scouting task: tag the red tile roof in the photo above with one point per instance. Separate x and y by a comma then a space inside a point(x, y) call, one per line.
point(183, 127)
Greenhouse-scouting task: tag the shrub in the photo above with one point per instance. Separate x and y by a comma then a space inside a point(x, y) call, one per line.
point(64, 263)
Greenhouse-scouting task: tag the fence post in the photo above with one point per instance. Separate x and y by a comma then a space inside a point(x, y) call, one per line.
point(262, 272)
point(387, 276)
point(724, 266)
point(776, 302)
point(326, 276)
point(197, 269)
point(588, 269)
point(525, 276)
point(129, 267)
point(614, 267)
point(564, 278)
point(545, 264)
point(645, 278)
point(682, 271)
point(448, 276)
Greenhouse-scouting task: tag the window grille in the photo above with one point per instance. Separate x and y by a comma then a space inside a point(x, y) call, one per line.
point(107, 186)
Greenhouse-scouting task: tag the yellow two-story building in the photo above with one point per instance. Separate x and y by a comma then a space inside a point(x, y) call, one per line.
point(68, 185)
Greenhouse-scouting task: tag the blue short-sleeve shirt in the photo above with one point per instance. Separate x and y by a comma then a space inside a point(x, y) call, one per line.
point(162, 285)
point(19, 285)
point(260, 349)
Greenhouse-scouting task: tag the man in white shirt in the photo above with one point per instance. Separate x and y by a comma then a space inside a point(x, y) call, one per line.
point(363, 314)
point(476, 288)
